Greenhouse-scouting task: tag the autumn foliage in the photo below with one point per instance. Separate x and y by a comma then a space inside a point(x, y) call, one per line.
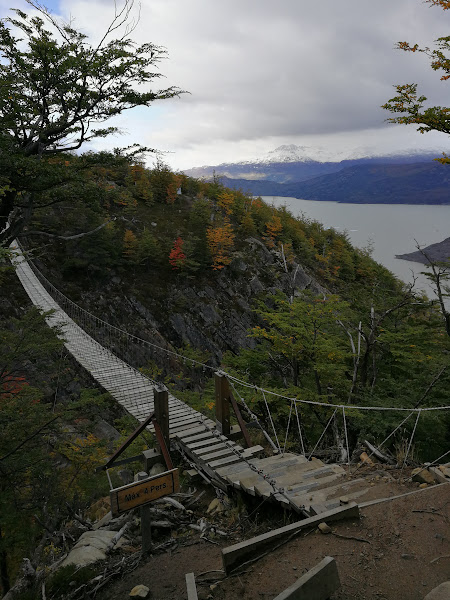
point(177, 257)
point(220, 243)
point(273, 229)
point(172, 189)
point(129, 243)
point(225, 200)
point(11, 385)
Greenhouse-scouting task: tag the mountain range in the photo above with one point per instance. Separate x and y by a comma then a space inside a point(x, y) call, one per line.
point(311, 174)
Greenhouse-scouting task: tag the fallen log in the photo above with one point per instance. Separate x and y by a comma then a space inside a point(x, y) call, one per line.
point(379, 454)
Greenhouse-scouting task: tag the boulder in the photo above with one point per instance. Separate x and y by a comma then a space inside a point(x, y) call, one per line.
point(91, 547)
point(98, 539)
point(440, 475)
point(324, 528)
point(365, 458)
point(103, 522)
point(215, 507)
point(441, 592)
point(157, 469)
point(140, 591)
point(422, 475)
point(445, 469)
point(82, 556)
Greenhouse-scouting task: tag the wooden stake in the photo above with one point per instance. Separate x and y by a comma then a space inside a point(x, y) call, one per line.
point(222, 404)
point(161, 397)
point(146, 521)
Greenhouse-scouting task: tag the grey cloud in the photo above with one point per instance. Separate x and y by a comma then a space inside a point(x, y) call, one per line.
point(256, 68)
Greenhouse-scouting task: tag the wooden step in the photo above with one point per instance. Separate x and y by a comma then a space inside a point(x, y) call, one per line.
point(189, 435)
point(305, 487)
point(300, 480)
point(195, 445)
point(205, 450)
point(225, 451)
point(327, 494)
point(246, 454)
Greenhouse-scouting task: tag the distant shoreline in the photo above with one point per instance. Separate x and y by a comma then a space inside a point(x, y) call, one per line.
point(438, 252)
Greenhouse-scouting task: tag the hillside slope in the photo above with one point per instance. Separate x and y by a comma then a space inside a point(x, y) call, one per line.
point(231, 255)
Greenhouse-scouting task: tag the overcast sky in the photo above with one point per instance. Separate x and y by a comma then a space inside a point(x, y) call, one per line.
point(262, 73)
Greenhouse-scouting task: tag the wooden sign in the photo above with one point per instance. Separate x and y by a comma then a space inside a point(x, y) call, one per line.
point(141, 492)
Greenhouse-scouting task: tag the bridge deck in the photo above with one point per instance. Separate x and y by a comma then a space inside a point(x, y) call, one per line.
point(306, 486)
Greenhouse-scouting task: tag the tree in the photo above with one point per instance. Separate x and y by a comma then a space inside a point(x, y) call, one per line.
point(25, 343)
point(225, 200)
point(48, 450)
point(56, 91)
point(220, 243)
point(273, 228)
point(408, 104)
point(177, 257)
point(439, 276)
point(130, 244)
point(303, 340)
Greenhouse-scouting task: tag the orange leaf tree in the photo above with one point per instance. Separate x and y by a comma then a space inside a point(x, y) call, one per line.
point(177, 257)
point(273, 229)
point(225, 200)
point(172, 189)
point(220, 243)
point(130, 243)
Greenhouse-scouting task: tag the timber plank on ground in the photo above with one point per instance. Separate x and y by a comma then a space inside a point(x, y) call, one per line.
point(235, 555)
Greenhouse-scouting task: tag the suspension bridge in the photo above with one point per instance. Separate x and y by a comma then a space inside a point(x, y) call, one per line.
point(306, 485)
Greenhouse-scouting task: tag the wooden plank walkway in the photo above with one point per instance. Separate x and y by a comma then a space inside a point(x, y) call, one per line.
point(127, 385)
point(309, 487)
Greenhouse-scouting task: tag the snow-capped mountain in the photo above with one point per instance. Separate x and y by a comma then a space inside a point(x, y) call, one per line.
point(357, 175)
point(290, 162)
point(293, 153)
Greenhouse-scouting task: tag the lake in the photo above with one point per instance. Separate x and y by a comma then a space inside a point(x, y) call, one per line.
point(389, 228)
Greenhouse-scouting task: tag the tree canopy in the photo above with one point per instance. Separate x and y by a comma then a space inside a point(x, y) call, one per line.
point(408, 104)
point(56, 92)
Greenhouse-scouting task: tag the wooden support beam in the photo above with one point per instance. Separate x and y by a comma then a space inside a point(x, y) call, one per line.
point(240, 420)
point(162, 444)
point(146, 521)
point(128, 441)
point(222, 404)
point(161, 398)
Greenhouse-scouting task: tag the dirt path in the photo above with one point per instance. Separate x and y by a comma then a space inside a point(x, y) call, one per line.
point(397, 560)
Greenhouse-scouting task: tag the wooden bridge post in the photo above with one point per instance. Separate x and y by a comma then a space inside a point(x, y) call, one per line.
point(222, 404)
point(161, 398)
point(146, 521)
